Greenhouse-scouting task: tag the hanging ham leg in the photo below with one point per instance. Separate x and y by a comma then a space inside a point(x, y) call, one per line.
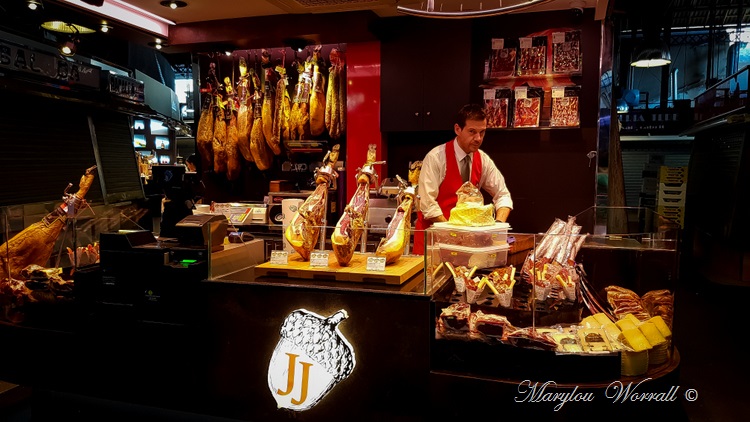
point(317, 96)
point(244, 113)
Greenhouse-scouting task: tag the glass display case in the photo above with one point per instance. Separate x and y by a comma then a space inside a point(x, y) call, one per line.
point(101, 257)
point(584, 294)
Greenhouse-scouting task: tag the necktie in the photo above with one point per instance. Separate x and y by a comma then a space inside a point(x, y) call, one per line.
point(465, 168)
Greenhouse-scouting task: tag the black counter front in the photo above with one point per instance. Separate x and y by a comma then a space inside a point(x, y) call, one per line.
point(218, 365)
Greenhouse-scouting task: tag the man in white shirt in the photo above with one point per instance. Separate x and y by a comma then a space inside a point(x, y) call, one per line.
point(446, 167)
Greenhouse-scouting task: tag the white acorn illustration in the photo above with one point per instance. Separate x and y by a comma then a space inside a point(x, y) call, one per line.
point(312, 356)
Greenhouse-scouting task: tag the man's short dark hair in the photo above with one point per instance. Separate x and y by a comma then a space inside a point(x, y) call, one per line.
point(470, 112)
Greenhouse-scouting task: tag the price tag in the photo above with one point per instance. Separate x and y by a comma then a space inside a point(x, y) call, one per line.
point(375, 263)
point(498, 43)
point(319, 259)
point(280, 257)
point(489, 94)
point(558, 37)
point(558, 92)
point(525, 42)
point(521, 92)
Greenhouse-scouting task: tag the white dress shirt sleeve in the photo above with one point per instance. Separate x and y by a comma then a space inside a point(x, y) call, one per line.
point(430, 179)
point(494, 183)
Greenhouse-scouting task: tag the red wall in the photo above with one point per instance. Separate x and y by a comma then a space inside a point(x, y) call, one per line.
point(362, 109)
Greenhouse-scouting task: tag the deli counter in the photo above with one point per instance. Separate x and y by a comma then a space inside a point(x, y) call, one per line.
point(214, 324)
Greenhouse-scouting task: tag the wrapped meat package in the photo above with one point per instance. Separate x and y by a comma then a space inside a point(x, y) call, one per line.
point(502, 59)
point(566, 52)
point(470, 209)
point(565, 111)
point(496, 105)
point(527, 106)
point(532, 56)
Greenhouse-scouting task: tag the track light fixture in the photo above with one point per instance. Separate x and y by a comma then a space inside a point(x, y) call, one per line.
point(172, 4)
point(158, 44)
point(35, 4)
point(69, 47)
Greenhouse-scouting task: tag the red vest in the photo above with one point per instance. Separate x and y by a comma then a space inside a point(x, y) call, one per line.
point(447, 197)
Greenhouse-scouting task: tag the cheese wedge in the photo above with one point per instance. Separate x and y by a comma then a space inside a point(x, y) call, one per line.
point(661, 326)
point(625, 324)
point(633, 318)
point(635, 339)
point(602, 318)
point(590, 322)
point(612, 330)
point(652, 334)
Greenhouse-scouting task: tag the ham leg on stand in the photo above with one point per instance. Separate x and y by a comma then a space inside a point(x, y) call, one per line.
point(351, 225)
point(304, 229)
point(34, 244)
point(399, 229)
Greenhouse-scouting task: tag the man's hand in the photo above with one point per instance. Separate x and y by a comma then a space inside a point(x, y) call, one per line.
point(501, 214)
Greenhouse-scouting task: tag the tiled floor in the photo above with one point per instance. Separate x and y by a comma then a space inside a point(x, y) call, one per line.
point(710, 332)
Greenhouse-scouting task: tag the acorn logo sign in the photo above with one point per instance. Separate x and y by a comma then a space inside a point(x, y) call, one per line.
point(312, 356)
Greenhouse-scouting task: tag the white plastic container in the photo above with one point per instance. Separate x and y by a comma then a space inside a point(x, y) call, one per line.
point(487, 257)
point(476, 237)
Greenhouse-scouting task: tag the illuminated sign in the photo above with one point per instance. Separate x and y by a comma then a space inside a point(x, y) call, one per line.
point(312, 356)
point(70, 72)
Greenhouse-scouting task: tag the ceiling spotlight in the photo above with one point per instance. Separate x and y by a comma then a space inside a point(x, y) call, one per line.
point(68, 48)
point(158, 44)
point(173, 4)
point(35, 4)
point(297, 44)
point(105, 28)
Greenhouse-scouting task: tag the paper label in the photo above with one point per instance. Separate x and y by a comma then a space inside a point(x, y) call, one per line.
point(558, 92)
point(375, 263)
point(280, 257)
point(525, 42)
point(498, 43)
point(558, 37)
point(521, 92)
point(489, 94)
point(319, 259)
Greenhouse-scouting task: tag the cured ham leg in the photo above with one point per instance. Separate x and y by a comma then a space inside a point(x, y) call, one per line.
point(399, 229)
point(351, 225)
point(244, 113)
point(317, 96)
point(304, 229)
point(34, 244)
